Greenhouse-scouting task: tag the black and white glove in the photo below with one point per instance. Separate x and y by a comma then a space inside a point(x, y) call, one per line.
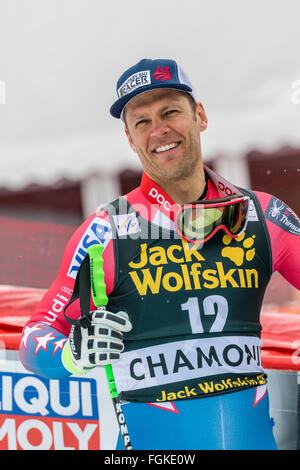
point(99, 344)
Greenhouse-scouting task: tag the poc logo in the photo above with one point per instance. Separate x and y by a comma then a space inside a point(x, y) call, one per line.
point(225, 189)
point(160, 199)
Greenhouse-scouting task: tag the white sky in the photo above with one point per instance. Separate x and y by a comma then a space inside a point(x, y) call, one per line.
point(60, 60)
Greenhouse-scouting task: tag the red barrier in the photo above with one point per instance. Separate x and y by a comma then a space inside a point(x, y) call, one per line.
point(281, 340)
point(16, 305)
point(280, 335)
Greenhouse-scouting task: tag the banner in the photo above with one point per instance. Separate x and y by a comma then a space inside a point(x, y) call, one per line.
point(37, 413)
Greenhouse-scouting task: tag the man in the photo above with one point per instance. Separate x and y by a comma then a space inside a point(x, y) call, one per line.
point(187, 258)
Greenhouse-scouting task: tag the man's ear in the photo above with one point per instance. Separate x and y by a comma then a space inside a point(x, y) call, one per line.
point(130, 140)
point(201, 117)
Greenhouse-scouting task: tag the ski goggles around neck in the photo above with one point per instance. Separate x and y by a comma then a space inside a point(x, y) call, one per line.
point(199, 221)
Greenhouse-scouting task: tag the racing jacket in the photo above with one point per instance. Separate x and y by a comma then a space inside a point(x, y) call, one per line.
point(195, 309)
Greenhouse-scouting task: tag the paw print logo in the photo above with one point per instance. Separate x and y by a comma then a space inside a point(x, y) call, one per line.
point(243, 251)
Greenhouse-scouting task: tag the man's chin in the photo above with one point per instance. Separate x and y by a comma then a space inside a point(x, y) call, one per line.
point(175, 176)
point(177, 173)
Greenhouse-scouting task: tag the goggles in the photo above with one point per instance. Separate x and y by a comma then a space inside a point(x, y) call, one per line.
point(199, 221)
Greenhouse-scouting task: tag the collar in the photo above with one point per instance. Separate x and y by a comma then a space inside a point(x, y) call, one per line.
point(157, 196)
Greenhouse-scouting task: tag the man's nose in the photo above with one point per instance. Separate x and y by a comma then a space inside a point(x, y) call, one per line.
point(159, 127)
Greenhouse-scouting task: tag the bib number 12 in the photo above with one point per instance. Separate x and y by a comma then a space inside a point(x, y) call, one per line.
point(212, 305)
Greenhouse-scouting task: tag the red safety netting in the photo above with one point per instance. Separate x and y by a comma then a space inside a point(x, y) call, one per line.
point(31, 252)
point(280, 335)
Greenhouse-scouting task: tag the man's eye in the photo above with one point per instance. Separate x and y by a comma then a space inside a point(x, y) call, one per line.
point(171, 111)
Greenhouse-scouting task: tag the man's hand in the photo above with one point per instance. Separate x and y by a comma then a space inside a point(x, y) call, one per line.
point(99, 344)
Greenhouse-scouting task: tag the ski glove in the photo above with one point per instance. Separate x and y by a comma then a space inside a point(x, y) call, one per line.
point(99, 344)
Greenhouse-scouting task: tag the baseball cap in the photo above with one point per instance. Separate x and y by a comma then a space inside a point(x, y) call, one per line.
point(148, 75)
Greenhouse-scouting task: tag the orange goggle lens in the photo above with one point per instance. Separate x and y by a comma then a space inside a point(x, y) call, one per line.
point(199, 221)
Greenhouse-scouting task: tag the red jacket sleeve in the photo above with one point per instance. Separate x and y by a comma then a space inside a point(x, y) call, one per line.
point(96, 229)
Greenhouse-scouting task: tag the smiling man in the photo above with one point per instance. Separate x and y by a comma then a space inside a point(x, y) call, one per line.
point(187, 258)
point(163, 128)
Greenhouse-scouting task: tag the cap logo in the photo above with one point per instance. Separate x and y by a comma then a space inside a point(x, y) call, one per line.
point(162, 73)
point(134, 81)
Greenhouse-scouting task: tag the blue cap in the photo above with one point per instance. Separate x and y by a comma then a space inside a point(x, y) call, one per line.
point(148, 75)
